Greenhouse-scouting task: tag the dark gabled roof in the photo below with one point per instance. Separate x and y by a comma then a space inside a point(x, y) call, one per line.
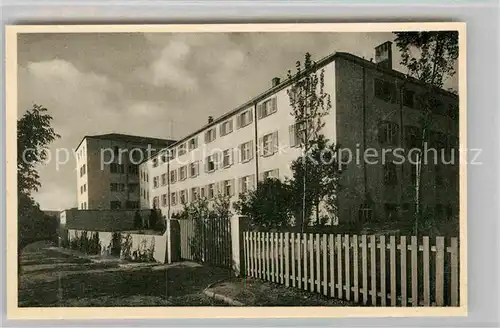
point(319, 64)
point(131, 139)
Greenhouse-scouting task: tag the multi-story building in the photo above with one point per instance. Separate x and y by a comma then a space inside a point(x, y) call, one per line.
point(107, 168)
point(373, 108)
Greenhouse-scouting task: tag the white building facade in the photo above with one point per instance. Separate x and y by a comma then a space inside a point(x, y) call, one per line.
point(373, 106)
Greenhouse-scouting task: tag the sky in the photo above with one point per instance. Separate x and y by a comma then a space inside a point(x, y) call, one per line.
point(161, 85)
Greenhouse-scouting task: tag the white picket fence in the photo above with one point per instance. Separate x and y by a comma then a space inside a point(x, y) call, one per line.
point(374, 270)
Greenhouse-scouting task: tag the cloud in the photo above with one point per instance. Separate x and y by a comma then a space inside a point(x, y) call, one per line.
point(169, 69)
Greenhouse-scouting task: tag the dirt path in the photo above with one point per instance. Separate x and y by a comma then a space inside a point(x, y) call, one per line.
point(51, 279)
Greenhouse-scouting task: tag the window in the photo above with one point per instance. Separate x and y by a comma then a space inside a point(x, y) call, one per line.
point(437, 107)
point(211, 191)
point(413, 137)
point(228, 187)
point(82, 170)
point(244, 119)
point(115, 205)
point(164, 158)
point(409, 98)
point(116, 168)
point(164, 200)
point(269, 144)
point(297, 133)
point(246, 151)
point(173, 176)
point(193, 143)
point(132, 187)
point(227, 158)
point(246, 183)
point(271, 174)
point(147, 177)
point(194, 169)
point(182, 149)
point(211, 163)
point(439, 174)
point(155, 162)
point(156, 202)
point(203, 193)
point(113, 186)
point(182, 173)
point(391, 211)
point(147, 195)
point(390, 174)
point(267, 108)
point(84, 205)
point(173, 198)
point(172, 153)
point(388, 133)
point(133, 169)
point(365, 213)
point(210, 135)
point(386, 91)
point(164, 179)
point(195, 193)
point(453, 112)
point(183, 196)
point(132, 204)
point(156, 182)
point(226, 127)
point(81, 189)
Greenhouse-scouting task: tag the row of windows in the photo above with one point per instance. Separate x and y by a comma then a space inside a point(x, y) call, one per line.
point(120, 168)
point(81, 153)
point(83, 170)
point(83, 188)
point(224, 188)
point(391, 175)
point(242, 120)
point(269, 146)
point(388, 134)
point(388, 91)
point(116, 204)
point(119, 187)
point(391, 211)
point(83, 206)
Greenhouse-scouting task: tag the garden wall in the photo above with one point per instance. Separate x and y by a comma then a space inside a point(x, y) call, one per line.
point(134, 247)
point(101, 220)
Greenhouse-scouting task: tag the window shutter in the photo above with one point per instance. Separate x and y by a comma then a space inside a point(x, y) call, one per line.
point(291, 132)
point(206, 164)
point(240, 185)
point(232, 187)
point(252, 181)
point(274, 105)
point(216, 161)
point(240, 155)
point(261, 146)
point(260, 111)
point(250, 118)
point(251, 150)
point(238, 121)
point(231, 156)
point(275, 141)
point(230, 126)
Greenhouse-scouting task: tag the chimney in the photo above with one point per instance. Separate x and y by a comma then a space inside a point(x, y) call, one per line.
point(383, 54)
point(275, 81)
point(210, 119)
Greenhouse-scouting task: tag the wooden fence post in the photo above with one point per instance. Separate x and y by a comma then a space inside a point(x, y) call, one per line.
point(239, 224)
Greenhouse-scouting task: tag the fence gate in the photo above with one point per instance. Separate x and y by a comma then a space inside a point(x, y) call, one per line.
point(206, 241)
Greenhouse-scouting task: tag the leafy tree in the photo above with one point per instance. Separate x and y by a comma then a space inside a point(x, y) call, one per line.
point(310, 103)
point(269, 205)
point(322, 170)
point(34, 134)
point(430, 57)
point(221, 206)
